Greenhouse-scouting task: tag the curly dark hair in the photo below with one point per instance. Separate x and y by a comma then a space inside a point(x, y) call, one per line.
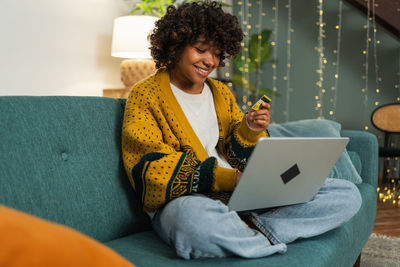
point(186, 24)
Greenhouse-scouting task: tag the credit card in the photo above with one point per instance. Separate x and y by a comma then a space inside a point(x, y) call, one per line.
point(257, 105)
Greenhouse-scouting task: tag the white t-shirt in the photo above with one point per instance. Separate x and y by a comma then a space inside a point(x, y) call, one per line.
point(200, 112)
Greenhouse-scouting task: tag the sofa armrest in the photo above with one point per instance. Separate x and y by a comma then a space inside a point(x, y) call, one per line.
point(366, 145)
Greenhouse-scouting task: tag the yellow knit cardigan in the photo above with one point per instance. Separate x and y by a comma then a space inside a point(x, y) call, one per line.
point(162, 155)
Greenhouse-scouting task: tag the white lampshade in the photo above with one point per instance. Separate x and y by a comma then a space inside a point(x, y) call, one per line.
point(130, 36)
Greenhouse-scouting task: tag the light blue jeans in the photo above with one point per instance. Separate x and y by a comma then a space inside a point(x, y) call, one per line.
point(199, 227)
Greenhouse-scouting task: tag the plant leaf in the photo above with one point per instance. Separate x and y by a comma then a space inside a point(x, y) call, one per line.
point(240, 80)
point(260, 47)
point(252, 65)
point(145, 8)
point(265, 35)
point(242, 64)
point(238, 61)
point(134, 12)
point(268, 92)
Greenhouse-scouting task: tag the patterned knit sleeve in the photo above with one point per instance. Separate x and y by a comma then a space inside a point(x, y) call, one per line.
point(158, 167)
point(240, 140)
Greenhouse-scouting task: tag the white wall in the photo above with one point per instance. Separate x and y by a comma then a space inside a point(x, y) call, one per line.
point(55, 47)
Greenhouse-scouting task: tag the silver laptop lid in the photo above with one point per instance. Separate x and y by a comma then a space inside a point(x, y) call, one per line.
point(285, 170)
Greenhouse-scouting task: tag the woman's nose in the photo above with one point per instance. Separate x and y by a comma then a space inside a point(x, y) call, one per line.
point(210, 60)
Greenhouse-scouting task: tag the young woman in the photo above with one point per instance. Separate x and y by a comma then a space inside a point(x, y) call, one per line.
point(184, 140)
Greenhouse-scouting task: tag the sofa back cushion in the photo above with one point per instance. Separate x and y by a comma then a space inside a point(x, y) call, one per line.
point(60, 159)
point(344, 167)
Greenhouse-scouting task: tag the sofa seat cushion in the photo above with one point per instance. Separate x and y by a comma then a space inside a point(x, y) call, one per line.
point(334, 248)
point(29, 241)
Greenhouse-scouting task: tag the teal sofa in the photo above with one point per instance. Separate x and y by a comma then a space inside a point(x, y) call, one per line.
point(60, 159)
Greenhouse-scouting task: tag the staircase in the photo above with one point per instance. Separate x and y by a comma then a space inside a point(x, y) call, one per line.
point(387, 13)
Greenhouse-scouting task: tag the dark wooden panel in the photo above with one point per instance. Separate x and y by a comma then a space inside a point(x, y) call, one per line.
point(387, 13)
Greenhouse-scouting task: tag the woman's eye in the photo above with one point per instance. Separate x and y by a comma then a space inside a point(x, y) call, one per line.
point(200, 50)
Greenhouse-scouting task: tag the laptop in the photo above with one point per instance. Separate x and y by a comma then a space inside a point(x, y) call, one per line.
point(284, 171)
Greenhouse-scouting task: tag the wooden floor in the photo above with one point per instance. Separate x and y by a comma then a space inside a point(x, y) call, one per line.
point(387, 218)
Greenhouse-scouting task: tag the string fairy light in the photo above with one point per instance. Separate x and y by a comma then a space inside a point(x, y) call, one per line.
point(258, 26)
point(226, 72)
point(375, 41)
point(274, 44)
point(396, 162)
point(243, 15)
point(365, 76)
point(397, 86)
point(321, 60)
point(389, 194)
point(376, 65)
point(335, 88)
point(289, 63)
point(246, 25)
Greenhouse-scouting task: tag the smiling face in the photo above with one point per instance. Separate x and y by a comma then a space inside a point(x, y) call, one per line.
point(196, 63)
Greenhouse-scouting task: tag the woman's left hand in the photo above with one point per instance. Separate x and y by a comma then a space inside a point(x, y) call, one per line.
point(259, 120)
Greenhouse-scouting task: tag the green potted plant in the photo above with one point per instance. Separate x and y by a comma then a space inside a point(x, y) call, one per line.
point(259, 51)
point(157, 8)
